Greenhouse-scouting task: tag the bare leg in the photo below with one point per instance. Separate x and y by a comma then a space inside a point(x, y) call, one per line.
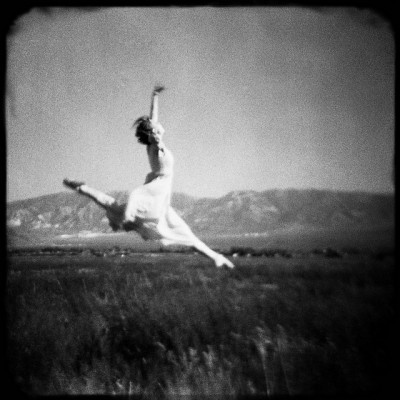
point(218, 259)
point(103, 200)
point(114, 211)
point(178, 232)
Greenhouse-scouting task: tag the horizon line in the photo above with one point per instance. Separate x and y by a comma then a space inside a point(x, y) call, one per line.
point(388, 192)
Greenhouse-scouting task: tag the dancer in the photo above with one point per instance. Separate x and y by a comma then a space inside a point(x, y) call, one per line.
point(148, 210)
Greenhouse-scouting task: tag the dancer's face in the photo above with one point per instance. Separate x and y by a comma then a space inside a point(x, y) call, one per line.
point(158, 130)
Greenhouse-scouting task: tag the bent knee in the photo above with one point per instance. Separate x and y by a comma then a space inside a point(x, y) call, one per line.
point(115, 215)
point(129, 226)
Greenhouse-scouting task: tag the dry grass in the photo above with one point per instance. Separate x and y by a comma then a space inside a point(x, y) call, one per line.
point(170, 324)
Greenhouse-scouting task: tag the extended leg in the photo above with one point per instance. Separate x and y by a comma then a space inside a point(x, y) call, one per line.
point(177, 231)
point(115, 212)
point(219, 259)
point(103, 200)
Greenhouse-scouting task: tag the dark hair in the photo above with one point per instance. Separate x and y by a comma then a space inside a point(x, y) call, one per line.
point(143, 129)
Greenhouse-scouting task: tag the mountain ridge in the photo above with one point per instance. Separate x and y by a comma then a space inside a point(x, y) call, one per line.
point(238, 212)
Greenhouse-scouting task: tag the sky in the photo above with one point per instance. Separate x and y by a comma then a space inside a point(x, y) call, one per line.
point(256, 99)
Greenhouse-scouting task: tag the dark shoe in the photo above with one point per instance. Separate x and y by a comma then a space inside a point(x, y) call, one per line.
point(71, 184)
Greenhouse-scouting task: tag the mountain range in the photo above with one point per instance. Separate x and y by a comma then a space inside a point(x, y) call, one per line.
point(237, 213)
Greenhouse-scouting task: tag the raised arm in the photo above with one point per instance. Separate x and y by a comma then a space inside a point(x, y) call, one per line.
point(154, 103)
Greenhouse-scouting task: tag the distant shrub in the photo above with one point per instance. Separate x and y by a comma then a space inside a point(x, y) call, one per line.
point(177, 249)
point(327, 252)
point(318, 252)
point(244, 251)
point(282, 253)
point(331, 253)
point(351, 250)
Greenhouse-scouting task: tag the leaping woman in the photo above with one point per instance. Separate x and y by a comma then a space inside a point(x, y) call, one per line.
point(148, 210)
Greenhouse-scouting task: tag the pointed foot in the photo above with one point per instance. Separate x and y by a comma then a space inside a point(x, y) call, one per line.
point(72, 184)
point(221, 261)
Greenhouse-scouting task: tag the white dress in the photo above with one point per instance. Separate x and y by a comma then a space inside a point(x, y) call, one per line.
point(148, 210)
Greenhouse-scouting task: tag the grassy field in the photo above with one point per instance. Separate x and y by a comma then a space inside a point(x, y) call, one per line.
point(169, 324)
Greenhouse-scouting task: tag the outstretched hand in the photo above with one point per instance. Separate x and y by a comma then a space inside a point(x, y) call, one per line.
point(158, 89)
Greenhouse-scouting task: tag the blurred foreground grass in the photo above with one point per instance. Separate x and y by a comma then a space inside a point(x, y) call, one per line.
point(163, 325)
